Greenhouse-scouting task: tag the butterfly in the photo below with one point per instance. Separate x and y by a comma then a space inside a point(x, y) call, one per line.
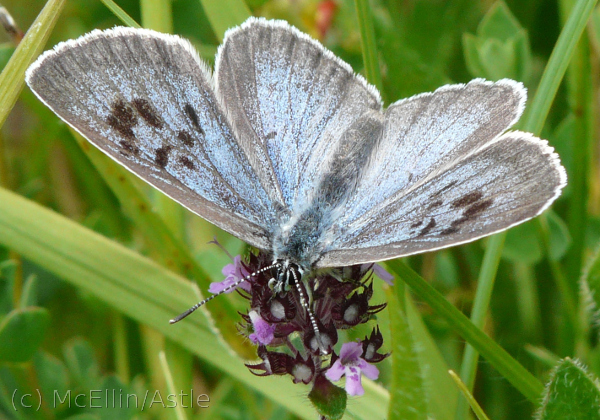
point(285, 147)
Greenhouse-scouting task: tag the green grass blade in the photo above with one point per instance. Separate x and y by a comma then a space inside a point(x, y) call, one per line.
point(537, 111)
point(12, 77)
point(407, 394)
point(367, 39)
point(157, 15)
point(469, 397)
point(441, 395)
point(120, 13)
point(485, 286)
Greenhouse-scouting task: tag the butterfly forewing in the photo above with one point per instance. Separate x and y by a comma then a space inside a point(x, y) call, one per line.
point(147, 101)
point(290, 101)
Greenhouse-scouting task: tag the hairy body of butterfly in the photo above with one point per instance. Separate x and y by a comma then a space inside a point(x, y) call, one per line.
point(289, 150)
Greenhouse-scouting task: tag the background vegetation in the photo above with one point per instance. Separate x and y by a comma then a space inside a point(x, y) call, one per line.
point(93, 263)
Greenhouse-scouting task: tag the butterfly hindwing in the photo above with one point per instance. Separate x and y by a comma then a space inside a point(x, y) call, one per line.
point(146, 100)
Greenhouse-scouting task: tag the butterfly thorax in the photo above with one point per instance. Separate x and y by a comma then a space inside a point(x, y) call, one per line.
point(299, 241)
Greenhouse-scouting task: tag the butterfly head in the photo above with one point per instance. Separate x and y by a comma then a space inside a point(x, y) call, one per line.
point(286, 272)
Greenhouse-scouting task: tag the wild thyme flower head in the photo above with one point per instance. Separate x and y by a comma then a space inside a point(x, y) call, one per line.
point(281, 327)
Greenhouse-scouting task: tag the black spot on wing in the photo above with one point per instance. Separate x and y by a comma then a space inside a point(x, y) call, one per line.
point(185, 161)
point(122, 118)
point(129, 147)
point(416, 224)
point(271, 135)
point(428, 228)
point(162, 156)
point(435, 204)
point(147, 112)
point(186, 138)
point(469, 214)
point(191, 113)
point(467, 199)
point(477, 208)
point(450, 230)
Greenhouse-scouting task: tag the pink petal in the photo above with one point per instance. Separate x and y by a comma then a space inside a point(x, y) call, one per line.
point(370, 371)
point(233, 273)
point(219, 286)
point(335, 372)
point(350, 352)
point(354, 385)
point(263, 331)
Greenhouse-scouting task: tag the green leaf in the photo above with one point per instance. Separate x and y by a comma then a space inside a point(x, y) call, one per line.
point(12, 77)
point(120, 13)
point(560, 238)
point(472, 59)
point(407, 73)
point(440, 394)
point(499, 23)
point(52, 376)
point(328, 399)
point(522, 244)
point(108, 396)
point(562, 140)
point(500, 48)
point(21, 333)
point(81, 362)
point(367, 38)
point(591, 283)
point(572, 394)
point(523, 241)
point(29, 295)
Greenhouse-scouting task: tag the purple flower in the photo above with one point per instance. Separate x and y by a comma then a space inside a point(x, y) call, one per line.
point(233, 273)
point(351, 364)
point(263, 331)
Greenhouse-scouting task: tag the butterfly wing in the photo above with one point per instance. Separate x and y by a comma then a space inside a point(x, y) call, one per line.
point(444, 174)
point(147, 100)
point(290, 101)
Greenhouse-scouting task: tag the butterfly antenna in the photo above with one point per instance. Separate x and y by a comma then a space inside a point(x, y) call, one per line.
point(304, 303)
point(225, 290)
